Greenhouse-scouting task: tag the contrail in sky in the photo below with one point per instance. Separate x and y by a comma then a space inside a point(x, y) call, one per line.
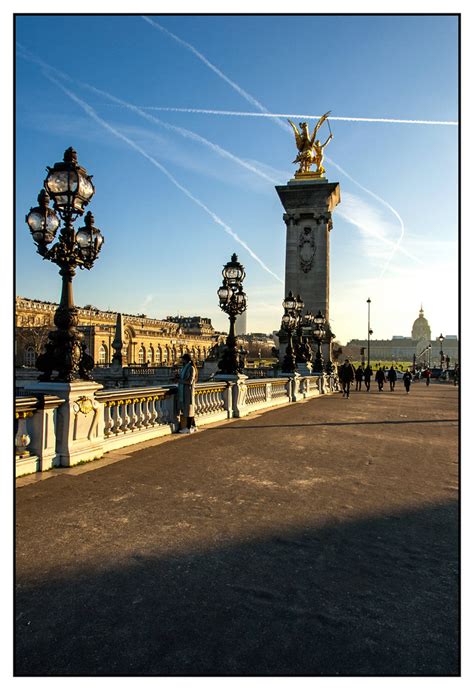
point(215, 69)
point(238, 113)
point(382, 201)
point(262, 108)
point(125, 104)
point(180, 130)
point(92, 113)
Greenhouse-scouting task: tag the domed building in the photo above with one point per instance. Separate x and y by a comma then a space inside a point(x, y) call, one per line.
point(405, 348)
point(421, 328)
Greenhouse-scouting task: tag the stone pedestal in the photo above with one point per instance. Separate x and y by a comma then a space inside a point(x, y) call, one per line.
point(239, 392)
point(294, 386)
point(308, 208)
point(80, 420)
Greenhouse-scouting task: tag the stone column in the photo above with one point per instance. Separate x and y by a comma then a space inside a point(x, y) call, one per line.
point(308, 208)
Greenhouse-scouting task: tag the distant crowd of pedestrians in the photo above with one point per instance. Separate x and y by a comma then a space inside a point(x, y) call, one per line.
point(348, 374)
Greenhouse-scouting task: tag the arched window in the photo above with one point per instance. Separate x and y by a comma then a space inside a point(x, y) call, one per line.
point(141, 355)
point(173, 355)
point(29, 357)
point(158, 355)
point(103, 359)
point(150, 355)
point(166, 355)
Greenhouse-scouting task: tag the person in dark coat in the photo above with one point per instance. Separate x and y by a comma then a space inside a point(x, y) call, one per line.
point(392, 377)
point(367, 376)
point(380, 378)
point(359, 375)
point(427, 376)
point(346, 376)
point(407, 377)
point(186, 386)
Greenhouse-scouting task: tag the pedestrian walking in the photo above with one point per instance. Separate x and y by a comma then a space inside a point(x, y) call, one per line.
point(367, 376)
point(186, 384)
point(380, 378)
point(456, 375)
point(346, 376)
point(359, 375)
point(407, 377)
point(392, 377)
point(427, 376)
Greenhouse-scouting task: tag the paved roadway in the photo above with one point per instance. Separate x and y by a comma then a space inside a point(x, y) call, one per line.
point(315, 539)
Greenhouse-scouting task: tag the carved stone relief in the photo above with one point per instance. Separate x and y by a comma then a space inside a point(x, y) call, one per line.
point(307, 247)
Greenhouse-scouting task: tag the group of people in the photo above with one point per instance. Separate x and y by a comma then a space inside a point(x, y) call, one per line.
point(348, 374)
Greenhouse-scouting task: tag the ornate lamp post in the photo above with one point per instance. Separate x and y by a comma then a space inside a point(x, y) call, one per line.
point(288, 323)
point(232, 301)
point(318, 364)
point(70, 188)
point(369, 331)
point(441, 353)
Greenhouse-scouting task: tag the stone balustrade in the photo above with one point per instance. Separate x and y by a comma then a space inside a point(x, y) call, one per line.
point(35, 437)
point(82, 421)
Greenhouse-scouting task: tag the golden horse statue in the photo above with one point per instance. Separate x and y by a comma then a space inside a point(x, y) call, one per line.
point(310, 149)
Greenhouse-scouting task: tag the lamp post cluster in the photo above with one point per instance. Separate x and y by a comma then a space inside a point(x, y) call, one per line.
point(70, 189)
point(232, 301)
point(301, 330)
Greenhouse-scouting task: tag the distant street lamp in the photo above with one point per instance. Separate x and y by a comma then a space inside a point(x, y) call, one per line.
point(441, 353)
point(369, 331)
point(429, 356)
point(318, 364)
point(70, 188)
point(288, 323)
point(232, 301)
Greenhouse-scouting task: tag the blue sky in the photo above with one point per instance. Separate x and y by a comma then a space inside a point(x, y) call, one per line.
point(170, 206)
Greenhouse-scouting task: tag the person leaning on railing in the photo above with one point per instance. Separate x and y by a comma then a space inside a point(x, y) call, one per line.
point(186, 385)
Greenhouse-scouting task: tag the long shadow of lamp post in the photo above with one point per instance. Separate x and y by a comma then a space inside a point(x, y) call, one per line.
point(70, 188)
point(232, 301)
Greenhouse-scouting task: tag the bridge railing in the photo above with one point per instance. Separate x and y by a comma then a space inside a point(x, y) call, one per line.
point(83, 421)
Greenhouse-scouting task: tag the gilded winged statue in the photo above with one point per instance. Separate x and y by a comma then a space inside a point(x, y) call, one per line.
point(310, 149)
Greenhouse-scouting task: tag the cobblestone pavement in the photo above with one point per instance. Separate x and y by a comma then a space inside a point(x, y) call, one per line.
point(315, 539)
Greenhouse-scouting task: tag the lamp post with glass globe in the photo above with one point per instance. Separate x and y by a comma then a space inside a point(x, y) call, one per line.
point(70, 188)
point(441, 353)
point(318, 364)
point(288, 323)
point(232, 301)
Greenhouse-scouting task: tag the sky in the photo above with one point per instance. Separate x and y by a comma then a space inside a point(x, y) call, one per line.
point(181, 184)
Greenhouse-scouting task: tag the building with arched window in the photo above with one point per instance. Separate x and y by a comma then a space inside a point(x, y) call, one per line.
point(156, 341)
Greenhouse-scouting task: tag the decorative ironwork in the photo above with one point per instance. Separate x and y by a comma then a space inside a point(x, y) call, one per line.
point(70, 188)
point(232, 301)
point(319, 331)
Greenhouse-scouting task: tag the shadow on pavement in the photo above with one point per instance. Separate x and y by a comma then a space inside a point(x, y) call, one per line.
point(369, 597)
point(381, 421)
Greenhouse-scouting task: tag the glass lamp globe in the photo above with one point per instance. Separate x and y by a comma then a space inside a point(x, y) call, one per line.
point(319, 318)
point(68, 184)
point(89, 240)
point(289, 303)
point(224, 294)
point(234, 271)
point(42, 221)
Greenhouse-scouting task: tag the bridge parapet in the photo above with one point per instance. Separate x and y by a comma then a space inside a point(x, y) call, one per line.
point(80, 425)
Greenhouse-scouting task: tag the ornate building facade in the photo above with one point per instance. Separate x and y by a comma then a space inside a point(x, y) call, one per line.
point(400, 348)
point(151, 342)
